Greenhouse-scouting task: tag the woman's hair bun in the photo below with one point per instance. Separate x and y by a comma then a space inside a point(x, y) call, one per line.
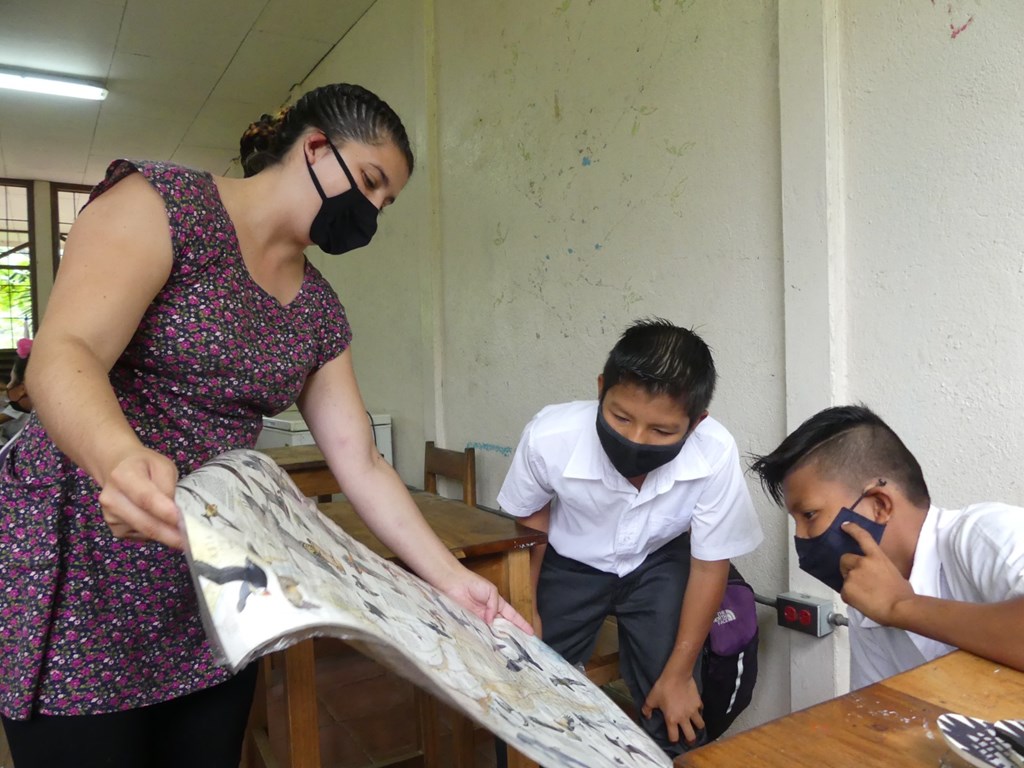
point(261, 140)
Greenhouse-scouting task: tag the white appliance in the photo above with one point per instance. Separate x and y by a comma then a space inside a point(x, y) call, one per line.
point(288, 428)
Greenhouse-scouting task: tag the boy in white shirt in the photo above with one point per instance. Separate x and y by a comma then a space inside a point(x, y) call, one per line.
point(920, 580)
point(644, 502)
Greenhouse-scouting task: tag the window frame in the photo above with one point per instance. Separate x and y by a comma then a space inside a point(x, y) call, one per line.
point(55, 189)
point(33, 271)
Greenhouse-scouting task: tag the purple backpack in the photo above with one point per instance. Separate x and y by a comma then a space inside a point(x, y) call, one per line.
point(730, 657)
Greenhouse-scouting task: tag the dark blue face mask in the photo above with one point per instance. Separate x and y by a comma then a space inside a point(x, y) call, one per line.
point(819, 556)
point(346, 221)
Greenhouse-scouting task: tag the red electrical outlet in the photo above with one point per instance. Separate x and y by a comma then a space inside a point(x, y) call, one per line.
point(804, 613)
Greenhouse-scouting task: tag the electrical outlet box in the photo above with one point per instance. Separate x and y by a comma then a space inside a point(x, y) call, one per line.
point(804, 613)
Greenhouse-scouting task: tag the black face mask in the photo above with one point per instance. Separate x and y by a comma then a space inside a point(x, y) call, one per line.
point(629, 458)
point(344, 222)
point(819, 556)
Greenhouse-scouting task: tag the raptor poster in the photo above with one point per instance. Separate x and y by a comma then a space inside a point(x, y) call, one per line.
point(270, 570)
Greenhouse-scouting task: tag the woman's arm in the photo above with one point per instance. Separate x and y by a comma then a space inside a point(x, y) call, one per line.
point(117, 258)
point(333, 408)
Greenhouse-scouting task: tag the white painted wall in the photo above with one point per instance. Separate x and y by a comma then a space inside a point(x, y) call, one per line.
point(600, 162)
point(824, 189)
point(935, 179)
point(385, 286)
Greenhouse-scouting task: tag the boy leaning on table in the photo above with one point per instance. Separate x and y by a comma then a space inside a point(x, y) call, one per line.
point(920, 580)
point(644, 502)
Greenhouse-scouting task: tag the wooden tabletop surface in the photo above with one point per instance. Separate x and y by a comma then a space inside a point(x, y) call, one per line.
point(466, 531)
point(296, 457)
point(891, 723)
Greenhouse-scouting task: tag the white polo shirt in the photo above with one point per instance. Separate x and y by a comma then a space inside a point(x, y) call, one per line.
point(599, 518)
point(973, 555)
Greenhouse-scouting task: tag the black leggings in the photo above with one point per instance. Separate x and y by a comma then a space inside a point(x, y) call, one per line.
point(201, 730)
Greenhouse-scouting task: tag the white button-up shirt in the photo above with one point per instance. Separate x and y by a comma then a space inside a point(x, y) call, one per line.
point(599, 518)
point(974, 555)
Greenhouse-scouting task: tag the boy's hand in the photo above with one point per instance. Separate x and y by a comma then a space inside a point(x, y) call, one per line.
point(872, 584)
point(679, 701)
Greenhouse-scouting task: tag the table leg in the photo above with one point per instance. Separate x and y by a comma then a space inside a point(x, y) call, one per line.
point(463, 740)
point(427, 711)
point(300, 700)
point(520, 597)
point(256, 752)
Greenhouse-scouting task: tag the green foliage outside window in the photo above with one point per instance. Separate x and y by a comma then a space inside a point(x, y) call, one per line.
point(15, 266)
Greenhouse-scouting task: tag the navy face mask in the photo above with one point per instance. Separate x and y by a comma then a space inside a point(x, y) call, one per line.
point(819, 556)
point(346, 221)
point(629, 458)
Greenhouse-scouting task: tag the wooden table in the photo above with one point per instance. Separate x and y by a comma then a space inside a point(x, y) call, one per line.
point(891, 723)
point(494, 546)
point(307, 468)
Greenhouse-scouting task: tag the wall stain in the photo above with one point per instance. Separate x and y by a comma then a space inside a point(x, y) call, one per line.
point(501, 236)
point(681, 149)
point(954, 31)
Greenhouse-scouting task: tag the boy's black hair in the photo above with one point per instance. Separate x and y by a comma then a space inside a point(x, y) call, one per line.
point(849, 443)
point(664, 359)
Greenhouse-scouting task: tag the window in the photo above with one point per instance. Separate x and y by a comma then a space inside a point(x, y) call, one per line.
point(17, 267)
point(65, 203)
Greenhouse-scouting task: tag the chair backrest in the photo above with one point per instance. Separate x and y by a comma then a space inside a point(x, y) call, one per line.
point(455, 465)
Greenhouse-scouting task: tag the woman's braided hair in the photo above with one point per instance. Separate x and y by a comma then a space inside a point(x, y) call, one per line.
point(342, 111)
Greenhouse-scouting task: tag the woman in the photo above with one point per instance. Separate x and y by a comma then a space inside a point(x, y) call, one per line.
point(183, 312)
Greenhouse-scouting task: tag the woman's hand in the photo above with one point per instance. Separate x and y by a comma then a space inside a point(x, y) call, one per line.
point(480, 597)
point(138, 499)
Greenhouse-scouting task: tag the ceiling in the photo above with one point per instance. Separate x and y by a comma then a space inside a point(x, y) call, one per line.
point(186, 77)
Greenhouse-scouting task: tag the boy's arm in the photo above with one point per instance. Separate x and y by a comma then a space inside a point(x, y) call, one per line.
point(675, 692)
point(876, 588)
point(539, 521)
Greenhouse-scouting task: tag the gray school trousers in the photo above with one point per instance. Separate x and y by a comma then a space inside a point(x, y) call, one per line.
point(573, 599)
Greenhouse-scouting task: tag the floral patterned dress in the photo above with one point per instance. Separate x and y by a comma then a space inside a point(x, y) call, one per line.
point(92, 624)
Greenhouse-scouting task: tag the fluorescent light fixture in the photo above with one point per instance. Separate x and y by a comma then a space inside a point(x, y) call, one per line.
point(35, 82)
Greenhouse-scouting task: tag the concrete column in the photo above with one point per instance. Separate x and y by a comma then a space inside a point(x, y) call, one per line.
point(813, 263)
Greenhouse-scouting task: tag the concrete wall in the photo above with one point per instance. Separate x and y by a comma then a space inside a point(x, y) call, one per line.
point(598, 165)
point(824, 189)
point(934, 182)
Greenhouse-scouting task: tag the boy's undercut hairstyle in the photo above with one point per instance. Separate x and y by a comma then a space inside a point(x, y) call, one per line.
point(664, 359)
point(849, 444)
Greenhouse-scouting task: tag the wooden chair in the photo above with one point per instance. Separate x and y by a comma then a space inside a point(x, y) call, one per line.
point(455, 465)
point(603, 666)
